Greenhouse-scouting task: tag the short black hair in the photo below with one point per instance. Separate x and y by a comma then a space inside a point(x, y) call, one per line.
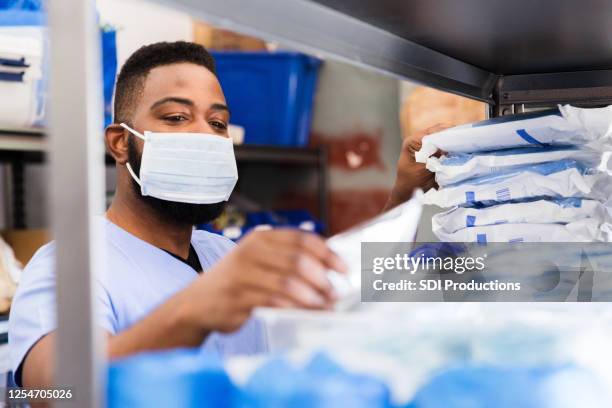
point(131, 78)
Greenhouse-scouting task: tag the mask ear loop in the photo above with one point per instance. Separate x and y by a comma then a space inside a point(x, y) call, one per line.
point(134, 132)
point(129, 167)
point(134, 176)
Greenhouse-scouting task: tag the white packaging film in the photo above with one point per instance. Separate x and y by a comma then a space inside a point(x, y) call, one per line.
point(562, 211)
point(396, 225)
point(540, 177)
point(456, 168)
point(25, 107)
point(585, 230)
point(567, 126)
point(524, 185)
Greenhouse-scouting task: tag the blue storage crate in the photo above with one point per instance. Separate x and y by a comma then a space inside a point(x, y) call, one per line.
point(269, 94)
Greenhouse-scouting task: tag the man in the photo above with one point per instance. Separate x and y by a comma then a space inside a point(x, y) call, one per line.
point(166, 285)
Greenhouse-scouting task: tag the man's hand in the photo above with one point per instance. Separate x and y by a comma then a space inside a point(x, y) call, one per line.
point(410, 174)
point(278, 268)
point(282, 268)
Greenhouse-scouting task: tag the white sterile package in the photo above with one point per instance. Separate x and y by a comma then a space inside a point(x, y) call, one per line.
point(397, 225)
point(564, 178)
point(566, 126)
point(21, 76)
point(558, 211)
point(585, 230)
point(457, 167)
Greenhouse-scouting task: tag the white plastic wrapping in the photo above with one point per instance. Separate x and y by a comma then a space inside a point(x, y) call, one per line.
point(25, 106)
point(537, 212)
point(456, 168)
point(397, 225)
point(524, 185)
point(585, 230)
point(569, 126)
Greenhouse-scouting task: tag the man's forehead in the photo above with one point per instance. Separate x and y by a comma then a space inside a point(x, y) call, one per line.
point(189, 79)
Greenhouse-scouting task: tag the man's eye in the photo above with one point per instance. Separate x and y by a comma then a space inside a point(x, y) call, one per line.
point(175, 118)
point(218, 125)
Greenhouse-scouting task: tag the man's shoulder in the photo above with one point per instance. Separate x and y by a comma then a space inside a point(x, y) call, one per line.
point(45, 255)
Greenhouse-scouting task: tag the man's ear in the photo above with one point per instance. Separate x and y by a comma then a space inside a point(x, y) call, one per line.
point(116, 140)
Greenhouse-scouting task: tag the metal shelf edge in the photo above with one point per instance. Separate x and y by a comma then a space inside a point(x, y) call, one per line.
point(319, 30)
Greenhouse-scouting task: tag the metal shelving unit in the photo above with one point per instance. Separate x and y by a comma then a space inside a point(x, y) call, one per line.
point(508, 54)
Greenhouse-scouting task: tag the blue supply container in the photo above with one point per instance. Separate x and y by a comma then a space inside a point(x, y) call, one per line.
point(511, 387)
point(269, 94)
point(321, 383)
point(180, 378)
point(278, 218)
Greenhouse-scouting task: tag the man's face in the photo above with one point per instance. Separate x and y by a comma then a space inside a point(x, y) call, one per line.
point(180, 97)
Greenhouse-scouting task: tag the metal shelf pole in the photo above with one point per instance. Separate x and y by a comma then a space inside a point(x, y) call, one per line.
point(77, 194)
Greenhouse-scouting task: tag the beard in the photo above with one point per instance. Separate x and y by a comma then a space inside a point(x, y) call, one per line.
point(179, 213)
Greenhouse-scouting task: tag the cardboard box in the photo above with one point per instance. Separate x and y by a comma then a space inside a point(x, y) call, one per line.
point(218, 39)
point(26, 242)
point(425, 107)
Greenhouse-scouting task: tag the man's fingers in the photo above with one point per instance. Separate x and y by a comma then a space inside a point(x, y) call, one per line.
point(296, 292)
point(418, 136)
point(438, 127)
point(305, 267)
point(309, 243)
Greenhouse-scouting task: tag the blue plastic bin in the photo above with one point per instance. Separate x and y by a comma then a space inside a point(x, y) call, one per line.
point(269, 94)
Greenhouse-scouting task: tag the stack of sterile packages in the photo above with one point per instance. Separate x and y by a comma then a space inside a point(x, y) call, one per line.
point(537, 177)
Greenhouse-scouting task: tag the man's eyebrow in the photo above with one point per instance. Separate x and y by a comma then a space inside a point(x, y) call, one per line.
point(220, 106)
point(175, 99)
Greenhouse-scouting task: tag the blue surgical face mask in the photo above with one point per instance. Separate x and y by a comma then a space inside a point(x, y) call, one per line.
point(194, 168)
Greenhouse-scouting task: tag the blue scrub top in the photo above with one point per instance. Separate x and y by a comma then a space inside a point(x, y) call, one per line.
point(138, 278)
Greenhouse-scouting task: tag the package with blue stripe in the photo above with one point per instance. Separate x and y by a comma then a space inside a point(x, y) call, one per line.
point(584, 230)
point(21, 55)
point(542, 177)
point(457, 167)
point(557, 211)
point(558, 179)
point(567, 125)
point(24, 63)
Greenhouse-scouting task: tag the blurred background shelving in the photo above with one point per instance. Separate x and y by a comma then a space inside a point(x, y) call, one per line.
point(20, 147)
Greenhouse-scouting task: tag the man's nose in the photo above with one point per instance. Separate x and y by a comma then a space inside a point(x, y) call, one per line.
point(201, 125)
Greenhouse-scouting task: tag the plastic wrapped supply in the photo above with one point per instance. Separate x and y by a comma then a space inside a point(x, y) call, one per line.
point(560, 179)
point(457, 167)
point(566, 126)
point(560, 211)
point(585, 230)
point(21, 76)
point(509, 387)
point(396, 225)
point(24, 63)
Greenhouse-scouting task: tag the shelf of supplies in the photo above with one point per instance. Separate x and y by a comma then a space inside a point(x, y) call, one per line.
point(29, 145)
point(280, 155)
point(21, 146)
point(22, 140)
